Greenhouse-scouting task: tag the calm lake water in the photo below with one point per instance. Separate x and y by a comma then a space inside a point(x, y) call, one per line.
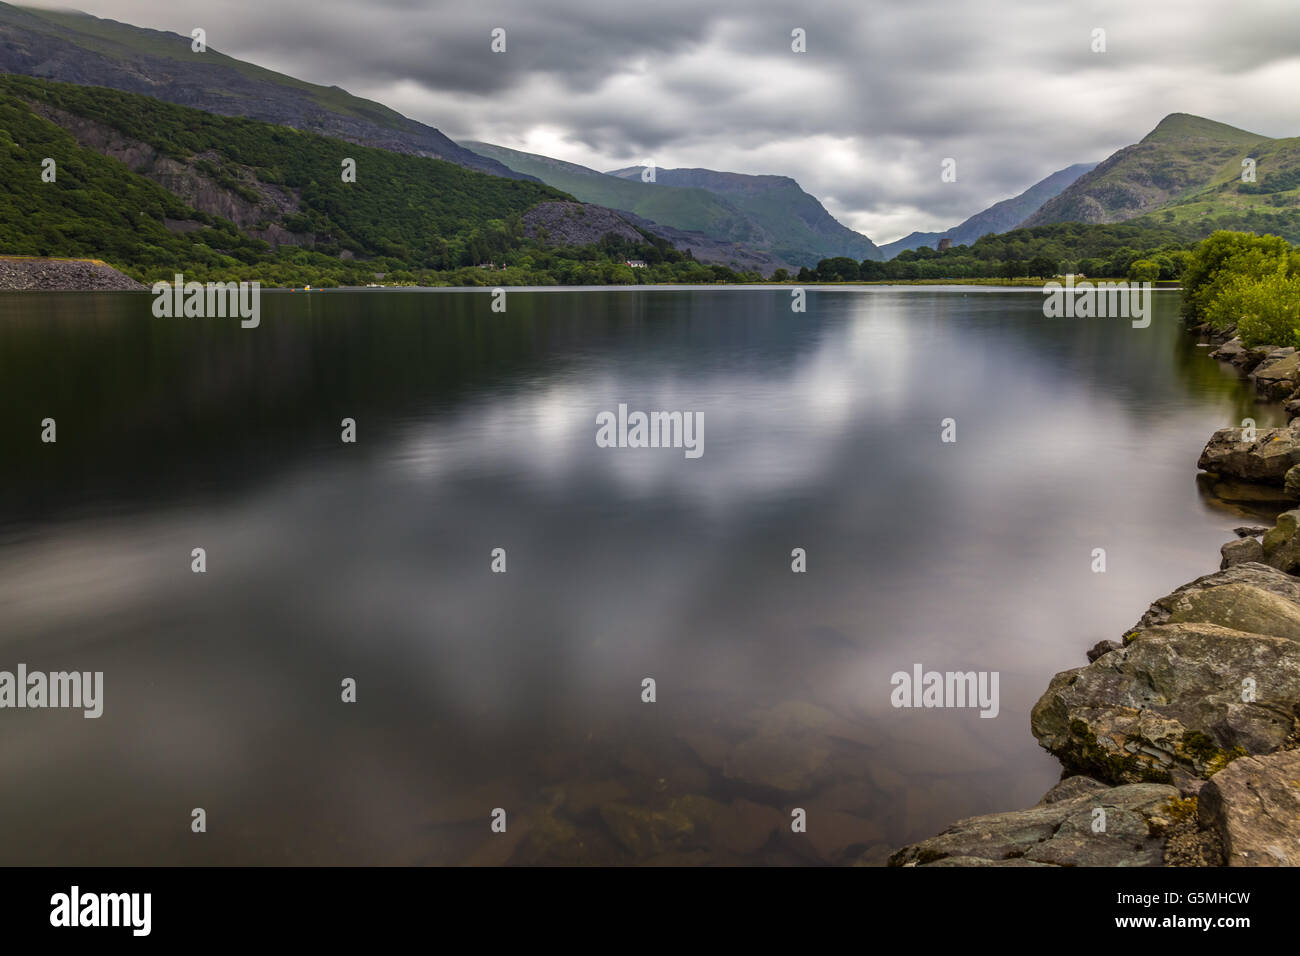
point(523, 691)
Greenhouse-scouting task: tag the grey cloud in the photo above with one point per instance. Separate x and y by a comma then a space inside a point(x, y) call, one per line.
point(1010, 88)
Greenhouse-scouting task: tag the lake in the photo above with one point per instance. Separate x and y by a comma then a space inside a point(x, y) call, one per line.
point(478, 691)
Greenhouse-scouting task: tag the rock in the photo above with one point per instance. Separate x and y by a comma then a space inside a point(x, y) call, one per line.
point(1059, 833)
point(1188, 784)
point(564, 223)
point(1189, 844)
point(1240, 551)
point(1291, 481)
point(977, 861)
point(1281, 544)
point(1258, 576)
point(791, 751)
point(1229, 351)
point(1249, 494)
point(833, 835)
point(1102, 648)
point(1241, 607)
point(554, 841)
point(711, 748)
point(1172, 698)
point(1275, 377)
point(1292, 407)
point(25, 274)
point(1071, 787)
point(1250, 531)
point(786, 764)
point(1254, 806)
point(745, 826)
point(1267, 459)
point(647, 832)
point(582, 796)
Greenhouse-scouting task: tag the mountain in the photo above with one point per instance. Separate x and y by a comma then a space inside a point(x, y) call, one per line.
point(75, 47)
point(760, 218)
point(799, 228)
point(1000, 217)
point(693, 210)
point(155, 188)
point(1182, 156)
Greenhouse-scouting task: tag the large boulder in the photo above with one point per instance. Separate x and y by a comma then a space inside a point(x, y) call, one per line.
point(1254, 806)
point(1275, 377)
point(1178, 696)
point(1210, 673)
point(1173, 698)
point(1261, 577)
point(1267, 458)
point(1067, 830)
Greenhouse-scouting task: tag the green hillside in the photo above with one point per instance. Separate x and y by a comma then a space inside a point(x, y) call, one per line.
point(222, 197)
point(798, 226)
point(1181, 157)
point(695, 210)
point(73, 47)
point(767, 213)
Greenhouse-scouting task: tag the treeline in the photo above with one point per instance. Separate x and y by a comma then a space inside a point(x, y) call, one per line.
point(1154, 248)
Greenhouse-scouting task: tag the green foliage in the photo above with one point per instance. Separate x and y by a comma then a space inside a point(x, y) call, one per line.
point(1222, 258)
point(1265, 310)
point(412, 220)
point(1144, 270)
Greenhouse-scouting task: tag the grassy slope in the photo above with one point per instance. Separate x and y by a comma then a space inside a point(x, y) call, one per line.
point(695, 210)
point(1178, 159)
point(800, 228)
point(400, 206)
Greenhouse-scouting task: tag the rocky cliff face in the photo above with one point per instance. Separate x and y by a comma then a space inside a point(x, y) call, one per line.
point(259, 218)
point(576, 224)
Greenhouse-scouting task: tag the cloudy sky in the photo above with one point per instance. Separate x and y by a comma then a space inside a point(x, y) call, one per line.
point(863, 119)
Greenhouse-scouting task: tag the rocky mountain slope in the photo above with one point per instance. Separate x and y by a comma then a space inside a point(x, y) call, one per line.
point(1182, 155)
point(77, 48)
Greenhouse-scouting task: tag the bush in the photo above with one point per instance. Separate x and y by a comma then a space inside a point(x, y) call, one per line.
point(1220, 259)
point(1266, 311)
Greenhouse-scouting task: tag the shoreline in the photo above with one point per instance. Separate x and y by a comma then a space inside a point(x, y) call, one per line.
point(1179, 743)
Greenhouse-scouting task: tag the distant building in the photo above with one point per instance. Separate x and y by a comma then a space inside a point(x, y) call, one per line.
point(944, 244)
point(636, 263)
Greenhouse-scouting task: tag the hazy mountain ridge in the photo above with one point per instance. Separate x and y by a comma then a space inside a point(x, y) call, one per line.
point(768, 221)
point(801, 229)
point(1001, 217)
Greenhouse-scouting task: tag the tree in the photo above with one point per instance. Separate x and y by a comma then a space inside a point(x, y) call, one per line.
point(1043, 267)
point(1144, 270)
